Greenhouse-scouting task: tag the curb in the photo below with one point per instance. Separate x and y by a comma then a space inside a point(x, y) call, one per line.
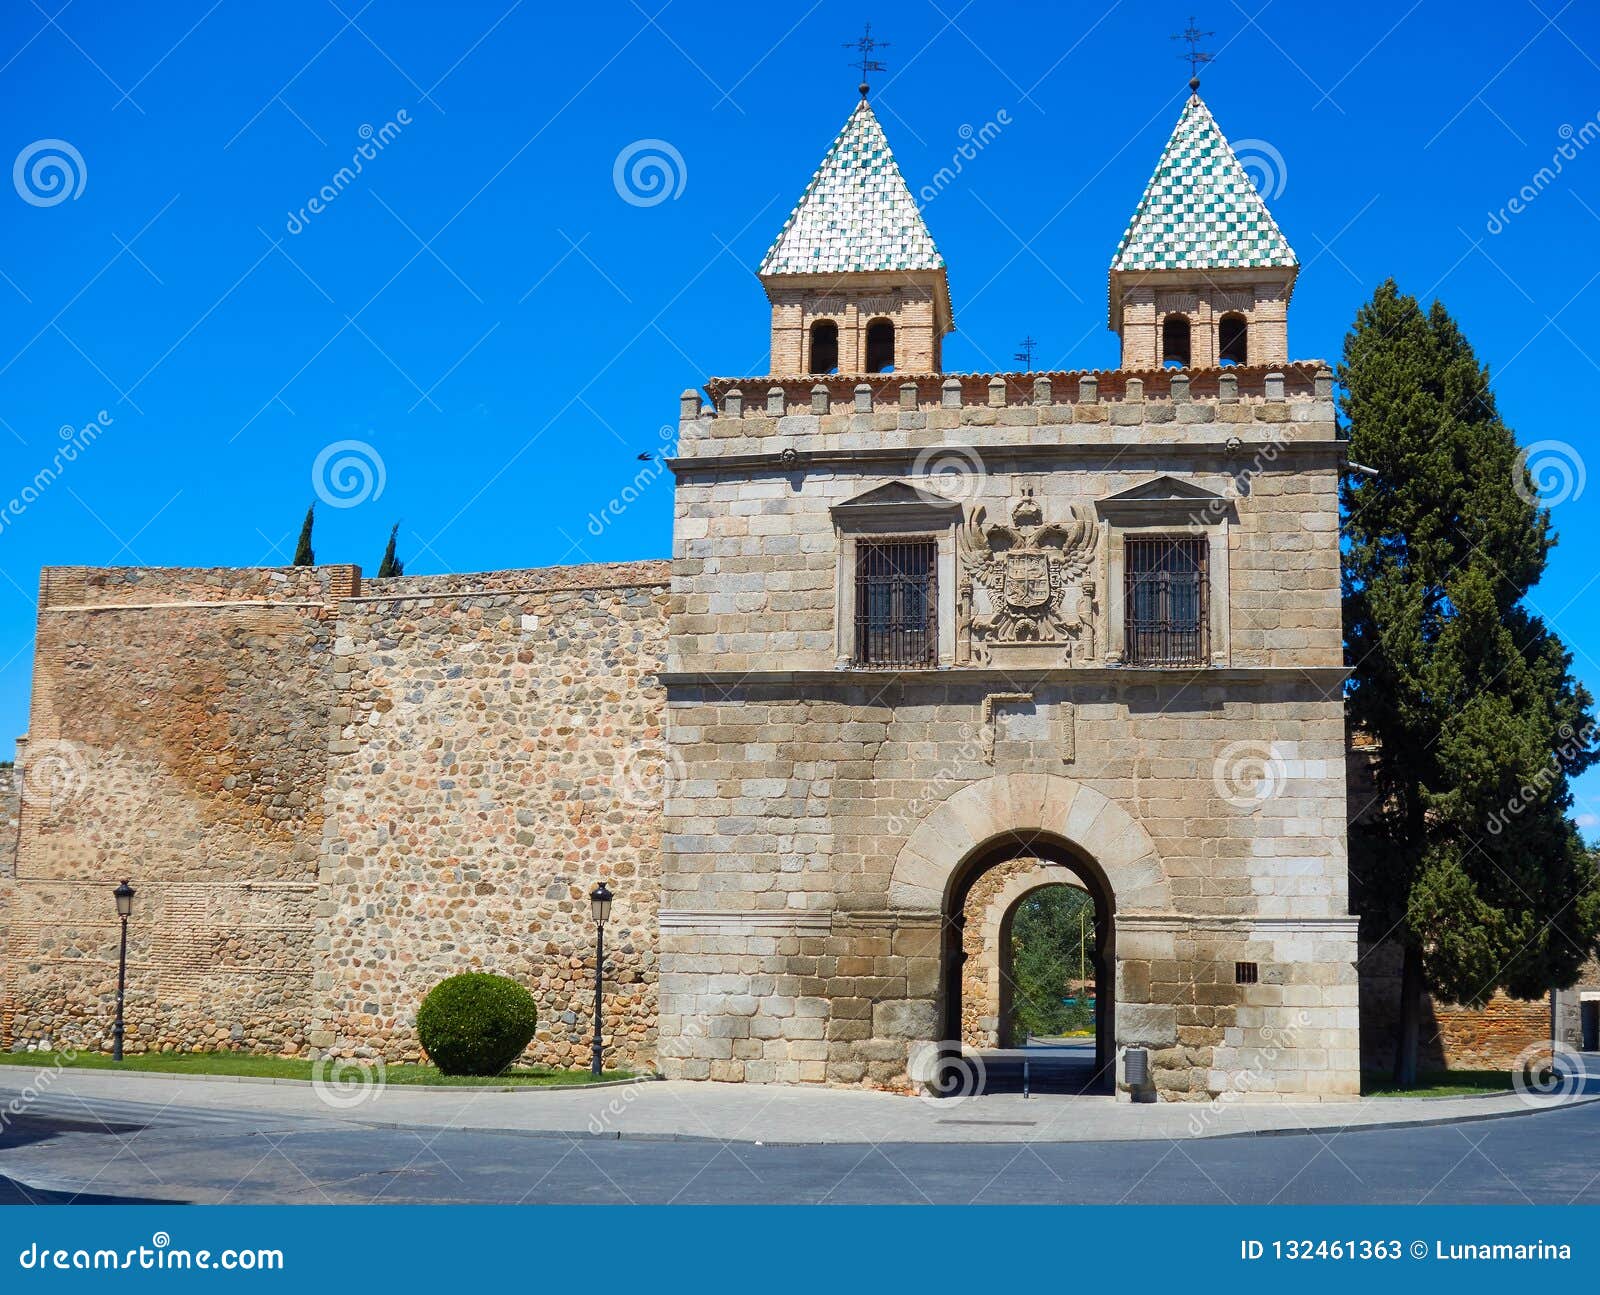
point(1331, 1130)
point(1433, 1122)
point(312, 1083)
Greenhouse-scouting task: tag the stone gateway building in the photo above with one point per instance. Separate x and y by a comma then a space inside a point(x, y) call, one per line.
point(925, 638)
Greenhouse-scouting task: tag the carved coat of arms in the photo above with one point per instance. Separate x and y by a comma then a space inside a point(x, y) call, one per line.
point(1017, 578)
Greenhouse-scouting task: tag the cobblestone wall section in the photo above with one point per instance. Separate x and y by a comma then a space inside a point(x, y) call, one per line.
point(496, 755)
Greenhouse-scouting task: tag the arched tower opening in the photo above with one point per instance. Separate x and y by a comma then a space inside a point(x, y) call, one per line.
point(1175, 342)
point(1233, 339)
point(824, 347)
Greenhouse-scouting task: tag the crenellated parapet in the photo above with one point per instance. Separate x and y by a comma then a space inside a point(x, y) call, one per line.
point(1086, 407)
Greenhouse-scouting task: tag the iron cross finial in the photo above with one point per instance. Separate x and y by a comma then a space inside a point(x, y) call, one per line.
point(866, 63)
point(1196, 55)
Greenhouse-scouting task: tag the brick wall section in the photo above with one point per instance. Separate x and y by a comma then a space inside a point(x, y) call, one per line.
point(1452, 1037)
point(178, 737)
point(496, 754)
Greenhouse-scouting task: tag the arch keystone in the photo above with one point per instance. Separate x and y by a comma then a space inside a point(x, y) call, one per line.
point(1007, 804)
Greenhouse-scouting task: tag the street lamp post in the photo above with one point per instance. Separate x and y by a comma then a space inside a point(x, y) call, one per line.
point(124, 897)
point(600, 903)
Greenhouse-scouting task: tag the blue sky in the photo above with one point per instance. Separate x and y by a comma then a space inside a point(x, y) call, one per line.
point(483, 306)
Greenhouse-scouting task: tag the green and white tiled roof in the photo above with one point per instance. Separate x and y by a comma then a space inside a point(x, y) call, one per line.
point(1200, 210)
point(857, 214)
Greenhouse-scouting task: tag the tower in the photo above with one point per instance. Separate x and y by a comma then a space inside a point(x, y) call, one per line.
point(1203, 274)
point(855, 281)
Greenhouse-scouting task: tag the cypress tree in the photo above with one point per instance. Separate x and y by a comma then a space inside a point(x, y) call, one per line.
point(304, 556)
point(1467, 859)
point(391, 565)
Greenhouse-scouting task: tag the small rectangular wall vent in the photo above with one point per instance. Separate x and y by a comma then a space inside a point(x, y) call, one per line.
point(1245, 973)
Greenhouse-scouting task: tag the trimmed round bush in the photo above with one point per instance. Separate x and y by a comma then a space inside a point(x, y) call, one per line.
point(476, 1024)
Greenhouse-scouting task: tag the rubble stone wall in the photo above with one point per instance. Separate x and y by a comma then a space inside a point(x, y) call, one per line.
point(495, 755)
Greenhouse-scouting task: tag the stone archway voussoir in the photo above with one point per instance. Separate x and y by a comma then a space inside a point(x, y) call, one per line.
point(1019, 803)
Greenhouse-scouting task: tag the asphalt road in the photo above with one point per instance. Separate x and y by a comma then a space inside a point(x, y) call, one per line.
point(112, 1153)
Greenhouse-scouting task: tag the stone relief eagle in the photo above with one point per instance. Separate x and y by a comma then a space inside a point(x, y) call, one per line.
point(1025, 569)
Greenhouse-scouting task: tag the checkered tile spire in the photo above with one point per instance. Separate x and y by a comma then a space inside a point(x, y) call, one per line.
point(1200, 210)
point(856, 214)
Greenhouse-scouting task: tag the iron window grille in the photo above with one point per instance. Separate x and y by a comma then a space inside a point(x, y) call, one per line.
point(897, 602)
point(1165, 596)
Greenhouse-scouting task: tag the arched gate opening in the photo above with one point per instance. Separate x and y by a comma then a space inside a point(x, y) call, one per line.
point(1058, 1066)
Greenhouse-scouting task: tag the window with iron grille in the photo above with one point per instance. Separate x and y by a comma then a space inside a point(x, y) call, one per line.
point(1165, 595)
point(897, 603)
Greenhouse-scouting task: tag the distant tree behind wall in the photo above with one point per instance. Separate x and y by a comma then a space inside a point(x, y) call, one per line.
point(391, 565)
point(1052, 938)
point(304, 555)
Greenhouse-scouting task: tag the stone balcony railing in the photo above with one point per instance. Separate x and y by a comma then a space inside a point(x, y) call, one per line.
point(1109, 406)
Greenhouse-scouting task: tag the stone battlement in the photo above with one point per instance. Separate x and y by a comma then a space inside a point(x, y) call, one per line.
point(76, 588)
point(159, 586)
point(1110, 406)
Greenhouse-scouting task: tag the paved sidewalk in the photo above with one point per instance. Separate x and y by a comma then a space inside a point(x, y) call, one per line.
point(768, 1114)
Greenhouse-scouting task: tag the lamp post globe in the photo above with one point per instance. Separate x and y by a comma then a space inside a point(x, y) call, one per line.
point(123, 895)
point(600, 904)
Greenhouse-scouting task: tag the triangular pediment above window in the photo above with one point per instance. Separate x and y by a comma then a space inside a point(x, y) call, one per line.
point(1165, 498)
point(899, 501)
point(1163, 488)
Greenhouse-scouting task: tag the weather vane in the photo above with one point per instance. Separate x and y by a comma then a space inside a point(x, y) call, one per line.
point(867, 63)
point(1196, 55)
point(1025, 356)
